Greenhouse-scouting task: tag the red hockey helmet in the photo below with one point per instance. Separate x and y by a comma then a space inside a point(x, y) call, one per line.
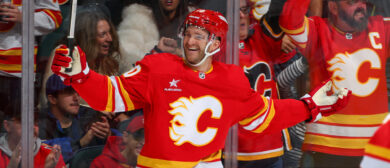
point(214, 22)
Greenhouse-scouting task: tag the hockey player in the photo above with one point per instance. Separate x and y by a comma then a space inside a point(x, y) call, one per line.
point(190, 104)
point(351, 49)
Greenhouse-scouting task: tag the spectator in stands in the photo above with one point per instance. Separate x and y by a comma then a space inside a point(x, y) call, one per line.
point(60, 123)
point(351, 48)
point(123, 151)
point(10, 149)
point(144, 28)
point(47, 17)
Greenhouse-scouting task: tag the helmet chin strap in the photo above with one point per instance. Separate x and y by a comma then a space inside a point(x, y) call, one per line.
point(207, 54)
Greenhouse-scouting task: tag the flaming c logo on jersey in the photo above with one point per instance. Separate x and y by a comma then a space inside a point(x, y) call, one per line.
point(186, 112)
point(346, 69)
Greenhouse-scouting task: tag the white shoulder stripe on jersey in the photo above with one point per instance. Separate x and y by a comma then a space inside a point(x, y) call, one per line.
point(370, 162)
point(254, 124)
point(119, 103)
point(386, 19)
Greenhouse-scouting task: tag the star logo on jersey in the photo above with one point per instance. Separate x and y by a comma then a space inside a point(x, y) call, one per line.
point(173, 83)
point(173, 86)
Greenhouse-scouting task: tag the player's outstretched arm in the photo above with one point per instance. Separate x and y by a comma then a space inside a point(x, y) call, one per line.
point(96, 89)
point(275, 115)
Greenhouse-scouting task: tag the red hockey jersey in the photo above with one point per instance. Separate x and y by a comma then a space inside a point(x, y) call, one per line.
point(377, 151)
point(187, 114)
point(258, 55)
point(354, 61)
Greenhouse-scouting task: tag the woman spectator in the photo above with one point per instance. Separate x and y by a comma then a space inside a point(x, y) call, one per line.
point(96, 35)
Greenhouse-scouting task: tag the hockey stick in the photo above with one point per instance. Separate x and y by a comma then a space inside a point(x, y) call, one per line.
point(71, 31)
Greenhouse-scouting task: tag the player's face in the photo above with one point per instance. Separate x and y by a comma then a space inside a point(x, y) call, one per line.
point(194, 44)
point(244, 20)
point(68, 102)
point(354, 13)
point(169, 5)
point(103, 38)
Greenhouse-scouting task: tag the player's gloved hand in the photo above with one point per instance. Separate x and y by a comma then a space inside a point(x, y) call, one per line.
point(322, 104)
point(79, 69)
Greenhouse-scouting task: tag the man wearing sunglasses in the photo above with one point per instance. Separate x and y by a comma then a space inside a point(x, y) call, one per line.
point(351, 48)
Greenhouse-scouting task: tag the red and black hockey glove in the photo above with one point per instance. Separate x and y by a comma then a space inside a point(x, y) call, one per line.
point(321, 104)
point(78, 65)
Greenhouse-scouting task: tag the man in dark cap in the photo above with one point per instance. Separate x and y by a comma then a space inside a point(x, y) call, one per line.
point(61, 124)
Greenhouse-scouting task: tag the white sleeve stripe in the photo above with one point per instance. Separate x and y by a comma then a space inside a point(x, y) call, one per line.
point(300, 38)
point(255, 123)
point(370, 162)
point(119, 103)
